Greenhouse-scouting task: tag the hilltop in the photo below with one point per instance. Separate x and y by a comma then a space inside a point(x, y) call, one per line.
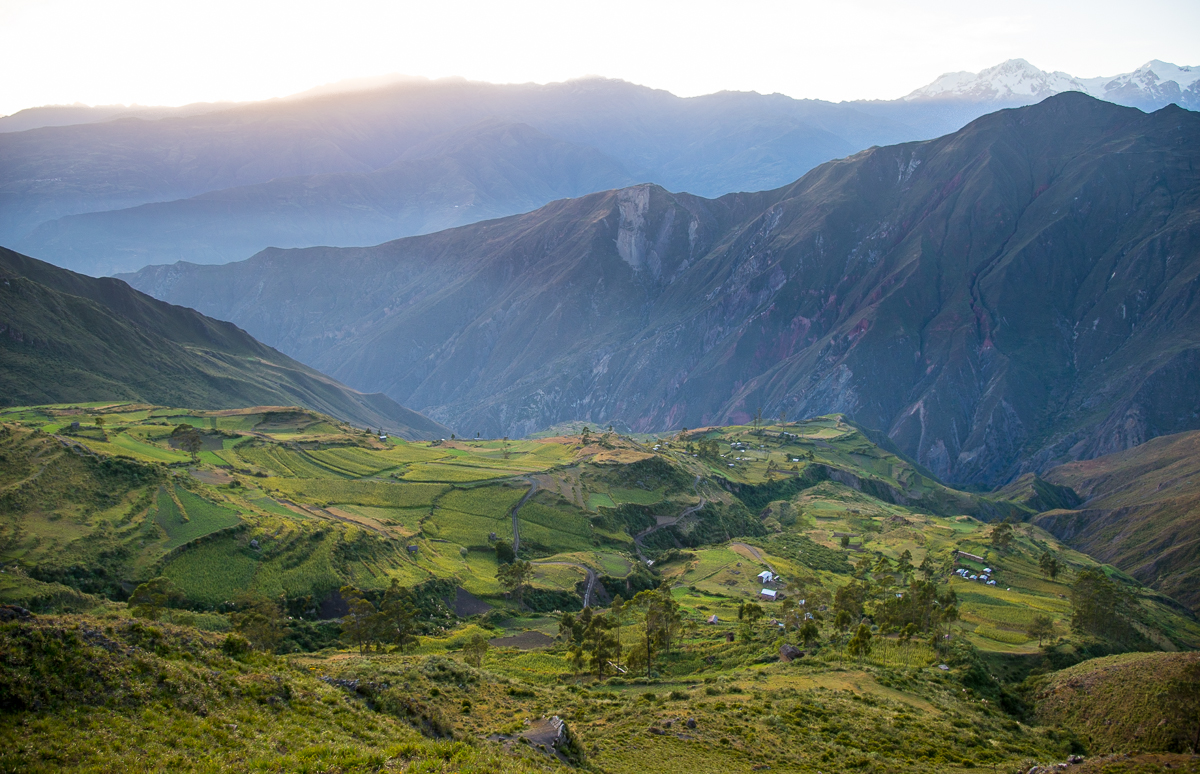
point(68, 337)
point(921, 289)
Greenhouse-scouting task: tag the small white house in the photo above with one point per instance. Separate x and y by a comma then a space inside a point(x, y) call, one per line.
point(769, 594)
point(712, 619)
point(766, 576)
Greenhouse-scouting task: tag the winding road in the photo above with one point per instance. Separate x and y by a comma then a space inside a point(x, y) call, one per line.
point(533, 487)
point(591, 577)
point(756, 554)
point(667, 521)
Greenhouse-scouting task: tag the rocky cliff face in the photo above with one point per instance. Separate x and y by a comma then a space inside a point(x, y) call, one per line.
point(1021, 292)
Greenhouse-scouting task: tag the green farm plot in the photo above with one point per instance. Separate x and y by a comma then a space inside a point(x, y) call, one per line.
point(237, 422)
point(607, 563)
point(405, 453)
point(538, 667)
point(465, 529)
point(354, 461)
point(125, 444)
point(212, 572)
point(493, 501)
point(407, 518)
point(378, 494)
point(222, 456)
point(555, 528)
point(282, 462)
point(557, 576)
point(305, 564)
point(457, 474)
point(270, 506)
point(198, 518)
point(598, 500)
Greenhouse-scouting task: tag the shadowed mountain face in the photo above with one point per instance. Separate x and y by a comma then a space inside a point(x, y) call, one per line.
point(68, 338)
point(1016, 294)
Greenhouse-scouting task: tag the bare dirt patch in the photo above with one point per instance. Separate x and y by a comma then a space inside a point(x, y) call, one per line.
point(524, 641)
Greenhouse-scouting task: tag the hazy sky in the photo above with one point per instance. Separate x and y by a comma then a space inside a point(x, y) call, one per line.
point(171, 52)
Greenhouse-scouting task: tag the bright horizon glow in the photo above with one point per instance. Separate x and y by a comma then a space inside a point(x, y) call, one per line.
point(154, 53)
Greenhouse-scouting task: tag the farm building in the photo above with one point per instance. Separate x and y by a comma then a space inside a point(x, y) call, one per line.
point(766, 576)
point(769, 594)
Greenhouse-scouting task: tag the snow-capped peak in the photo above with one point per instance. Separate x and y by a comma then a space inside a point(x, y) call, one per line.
point(1152, 85)
point(1015, 79)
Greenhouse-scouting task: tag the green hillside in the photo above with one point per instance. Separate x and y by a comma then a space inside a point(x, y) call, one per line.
point(66, 337)
point(282, 509)
point(1139, 510)
point(1132, 701)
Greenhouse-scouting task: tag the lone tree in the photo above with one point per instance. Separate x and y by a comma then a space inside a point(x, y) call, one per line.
point(514, 577)
point(260, 620)
point(1049, 565)
point(475, 649)
point(396, 621)
point(600, 643)
point(1002, 536)
point(749, 614)
point(504, 552)
point(1099, 607)
point(188, 439)
point(1040, 628)
point(860, 644)
point(360, 622)
point(152, 597)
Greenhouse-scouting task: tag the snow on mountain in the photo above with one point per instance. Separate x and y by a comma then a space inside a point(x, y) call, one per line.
point(1016, 81)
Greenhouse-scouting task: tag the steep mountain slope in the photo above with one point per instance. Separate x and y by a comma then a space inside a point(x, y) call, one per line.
point(69, 338)
point(1016, 294)
point(484, 171)
point(1140, 512)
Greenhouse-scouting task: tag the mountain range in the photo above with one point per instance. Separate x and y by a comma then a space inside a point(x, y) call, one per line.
point(123, 188)
point(1017, 294)
point(67, 338)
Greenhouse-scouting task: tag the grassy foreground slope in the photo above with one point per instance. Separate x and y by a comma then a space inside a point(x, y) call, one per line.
point(69, 337)
point(1124, 702)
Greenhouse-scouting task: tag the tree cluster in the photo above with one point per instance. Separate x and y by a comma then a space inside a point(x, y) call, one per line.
point(1101, 608)
point(392, 623)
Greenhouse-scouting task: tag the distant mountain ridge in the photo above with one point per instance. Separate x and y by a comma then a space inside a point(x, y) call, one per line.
point(68, 338)
point(998, 300)
point(362, 163)
point(1154, 85)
